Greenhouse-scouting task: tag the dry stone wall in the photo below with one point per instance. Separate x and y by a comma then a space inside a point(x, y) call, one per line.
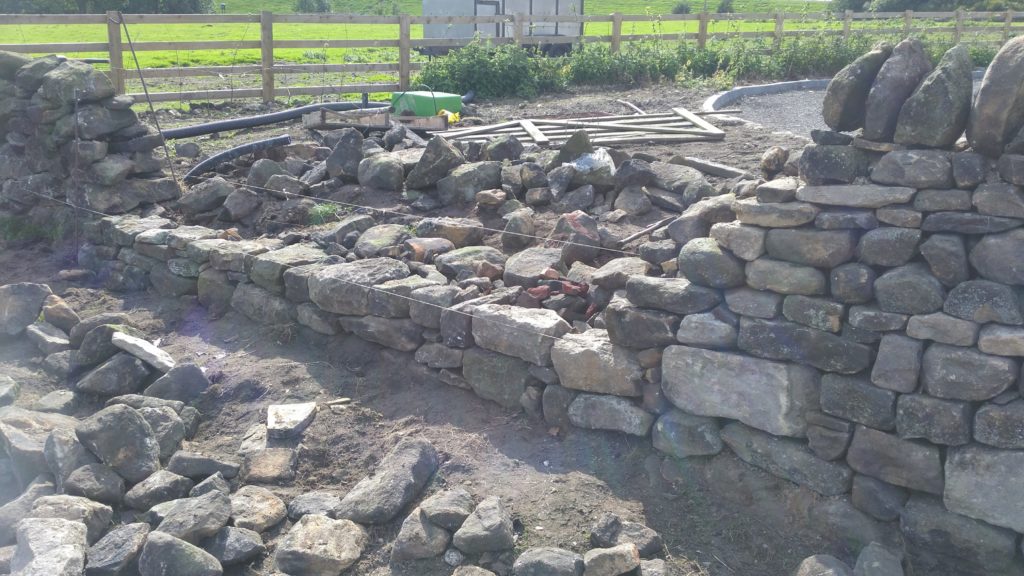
point(68, 137)
point(852, 323)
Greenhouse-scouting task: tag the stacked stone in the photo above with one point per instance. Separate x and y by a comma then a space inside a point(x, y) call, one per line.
point(67, 136)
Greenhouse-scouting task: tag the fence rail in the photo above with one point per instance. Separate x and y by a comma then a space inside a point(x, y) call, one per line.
point(517, 27)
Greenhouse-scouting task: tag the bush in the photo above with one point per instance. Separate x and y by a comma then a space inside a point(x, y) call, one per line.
point(312, 6)
point(681, 8)
point(725, 7)
point(493, 72)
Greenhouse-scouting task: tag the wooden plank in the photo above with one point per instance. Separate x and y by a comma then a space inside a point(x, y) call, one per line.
point(538, 137)
point(229, 94)
point(267, 55)
point(205, 45)
point(698, 121)
point(334, 19)
point(499, 19)
point(342, 89)
point(56, 47)
point(190, 18)
point(616, 126)
point(335, 44)
point(616, 32)
point(335, 68)
point(486, 129)
point(196, 71)
point(709, 167)
point(115, 54)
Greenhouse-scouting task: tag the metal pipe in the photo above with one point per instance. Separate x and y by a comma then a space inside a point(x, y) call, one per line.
point(263, 119)
point(230, 154)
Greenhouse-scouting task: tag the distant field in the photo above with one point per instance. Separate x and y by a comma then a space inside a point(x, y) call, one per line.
point(591, 6)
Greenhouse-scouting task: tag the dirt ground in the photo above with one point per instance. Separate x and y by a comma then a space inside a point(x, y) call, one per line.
point(718, 516)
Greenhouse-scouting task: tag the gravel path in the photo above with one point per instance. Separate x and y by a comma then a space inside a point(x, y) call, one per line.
point(796, 112)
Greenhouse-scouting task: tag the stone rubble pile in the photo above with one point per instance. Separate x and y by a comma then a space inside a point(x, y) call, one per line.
point(67, 136)
point(122, 491)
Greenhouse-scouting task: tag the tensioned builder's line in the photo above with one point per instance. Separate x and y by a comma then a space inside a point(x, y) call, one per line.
point(420, 218)
point(364, 286)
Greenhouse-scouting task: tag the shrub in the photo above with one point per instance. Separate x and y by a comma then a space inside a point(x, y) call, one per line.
point(681, 8)
point(492, 72)
point(312, 6)
point(725, 7)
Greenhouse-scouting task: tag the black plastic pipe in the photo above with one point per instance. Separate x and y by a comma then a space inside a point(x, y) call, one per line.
point(263, 119)
point(230, 154)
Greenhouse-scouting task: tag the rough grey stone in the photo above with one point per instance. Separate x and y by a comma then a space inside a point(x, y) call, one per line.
point(399, 479)
point(959, 373)
point(901, 462)
point(767, 395)
point(938, 421)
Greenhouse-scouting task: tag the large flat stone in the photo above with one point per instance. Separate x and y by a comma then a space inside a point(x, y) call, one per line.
point(789, 459)
point(901, 462)
point(954, 544)
point(345, 288)
point(591, 363)
point(985, 484)
point(789, 341)
point(527, 333)
point(856, 195)
point(770, 396)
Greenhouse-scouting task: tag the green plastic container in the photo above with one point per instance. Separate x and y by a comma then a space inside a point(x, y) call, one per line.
point(425, 103)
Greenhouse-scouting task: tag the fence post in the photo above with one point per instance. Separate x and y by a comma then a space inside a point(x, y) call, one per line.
point(114, 49)
point(702, 30)
point(779, 23)
point(267, 55)
point(1007, 22)
point(517, 28)
point(959, 25)
point(404, 44)
point(847, 23)
point(616, 31)
point(908, 22)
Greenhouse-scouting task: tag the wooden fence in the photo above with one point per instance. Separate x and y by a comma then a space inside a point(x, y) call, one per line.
point(1000, 24)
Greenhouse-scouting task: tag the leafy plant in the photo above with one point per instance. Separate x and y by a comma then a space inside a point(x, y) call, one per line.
point(682, 8)
point(725, 7)
point(312, 6)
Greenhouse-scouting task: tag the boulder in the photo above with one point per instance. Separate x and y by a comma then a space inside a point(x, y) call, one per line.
point(381, 172)
point(936, 113)
point(319, 545)
point(524, 333)
point(184, 383)
point(591, 363)
point(95, 516)
point(897, 79)
point(20, 305)
point(448, 509)
point(823, 565)
point(621, 559)
point(419, 538)
point(345, 288)
point(998, 111)
point(821, 164)
point(165, 554)
point(901, 462)
point(256, 508)
point(958, 373)
point(487, 529)
point(847, 93)
point(544, 561)
point(161, 486)
point(399, 478)
point(50, 546)
point(96, 482)
point(767, 395)
point(117, 553)
point(703, 262)
point(682, 435)
point(602, 412)
point(344, 159)
point(232, 546)
point(193, 519)
point(439, 158)
point(788, 459)
point(122, 439)
point(942, 540)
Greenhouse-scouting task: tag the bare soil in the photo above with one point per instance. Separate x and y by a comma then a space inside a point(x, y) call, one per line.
point(718, 516)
